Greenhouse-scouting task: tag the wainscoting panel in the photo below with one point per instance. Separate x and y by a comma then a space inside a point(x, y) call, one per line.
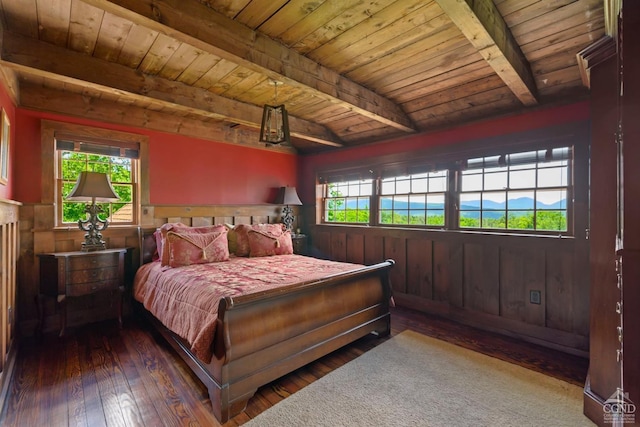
point(9, 247)
point(525, 286)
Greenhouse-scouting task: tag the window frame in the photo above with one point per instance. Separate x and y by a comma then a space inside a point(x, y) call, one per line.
point(50, 130)
point(411, 178)
point(504, 166)
point(454, 165)
point(326, 200)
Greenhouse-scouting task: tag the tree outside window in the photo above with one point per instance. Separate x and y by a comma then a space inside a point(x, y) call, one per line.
point(121, 173)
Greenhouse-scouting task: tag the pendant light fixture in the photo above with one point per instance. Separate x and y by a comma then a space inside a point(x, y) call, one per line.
point(275, 123)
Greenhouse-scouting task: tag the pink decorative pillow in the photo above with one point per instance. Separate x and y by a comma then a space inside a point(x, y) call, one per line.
point(161, 237)
point(189, 247)
point(242, 235)
point(270, 242)
point(179, 227)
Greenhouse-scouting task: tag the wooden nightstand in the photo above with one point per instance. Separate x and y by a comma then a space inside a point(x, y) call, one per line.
point(299, 243)
point(74, 274)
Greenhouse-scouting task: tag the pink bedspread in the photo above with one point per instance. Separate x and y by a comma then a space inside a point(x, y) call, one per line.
point(185, 299)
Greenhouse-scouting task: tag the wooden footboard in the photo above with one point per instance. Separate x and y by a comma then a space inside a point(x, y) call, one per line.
point(267, 335)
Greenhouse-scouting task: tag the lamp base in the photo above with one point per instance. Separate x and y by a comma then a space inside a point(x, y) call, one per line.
point(93, 226)
point(86, 247)
point(287, 217)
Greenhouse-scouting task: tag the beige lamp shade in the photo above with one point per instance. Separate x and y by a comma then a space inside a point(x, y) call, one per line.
point(288, 196)
point(92, 186)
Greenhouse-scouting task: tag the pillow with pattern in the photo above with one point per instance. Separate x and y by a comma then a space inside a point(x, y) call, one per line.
point(179, 227)
point(161, 235)
point(187, 247)
point(275, 241)
point(242, 235)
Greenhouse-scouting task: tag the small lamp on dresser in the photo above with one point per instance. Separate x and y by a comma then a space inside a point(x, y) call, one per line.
point(288, 196)
point(93, 187)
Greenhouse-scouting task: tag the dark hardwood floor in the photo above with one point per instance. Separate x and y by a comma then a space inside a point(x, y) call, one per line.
point(99, 376)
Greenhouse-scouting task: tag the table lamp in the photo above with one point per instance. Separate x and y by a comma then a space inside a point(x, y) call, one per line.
point(92, 187)
point(288, 196)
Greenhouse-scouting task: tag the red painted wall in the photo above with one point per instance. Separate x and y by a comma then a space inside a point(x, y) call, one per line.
point(6, 190)
point(182, 171)
point(189, 171)
point(27, 162)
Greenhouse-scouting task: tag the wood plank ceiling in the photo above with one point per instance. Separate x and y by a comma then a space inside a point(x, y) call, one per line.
point(353, 72)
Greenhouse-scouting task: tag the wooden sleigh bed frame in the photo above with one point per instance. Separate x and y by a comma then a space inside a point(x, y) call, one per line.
point(263, 336)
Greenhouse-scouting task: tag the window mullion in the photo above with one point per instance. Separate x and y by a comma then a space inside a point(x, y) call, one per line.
point(374, 202)
point(452, 200)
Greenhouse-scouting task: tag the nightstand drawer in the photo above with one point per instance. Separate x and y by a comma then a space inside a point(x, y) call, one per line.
point(92, 275)
point(79, 273)
point(80, 289)
point(92, 261)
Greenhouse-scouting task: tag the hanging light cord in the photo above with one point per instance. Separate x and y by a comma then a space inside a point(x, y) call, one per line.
point(275, 94)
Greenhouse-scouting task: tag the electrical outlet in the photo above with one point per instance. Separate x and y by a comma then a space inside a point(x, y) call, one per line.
point(535, 297)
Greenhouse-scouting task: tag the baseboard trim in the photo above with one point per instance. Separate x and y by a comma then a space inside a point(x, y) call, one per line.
point(547, 337)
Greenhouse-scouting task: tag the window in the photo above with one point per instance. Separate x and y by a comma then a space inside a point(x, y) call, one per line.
point(528, 191)
point(120, 163)
point(348, 201)
point(414, 199)
point(521, 191)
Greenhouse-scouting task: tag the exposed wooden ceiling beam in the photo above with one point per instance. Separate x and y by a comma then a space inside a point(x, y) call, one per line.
point(481, 23)
point(9, 79)
point(200, 26)
point(40, 98)
point(35, 57)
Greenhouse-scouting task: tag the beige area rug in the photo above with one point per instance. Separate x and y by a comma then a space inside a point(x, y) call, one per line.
point(414, 380)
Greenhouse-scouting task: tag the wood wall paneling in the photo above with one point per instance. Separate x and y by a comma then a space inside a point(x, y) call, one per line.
point(321, 246)
point(355, 248)
point(395, 248)
point(373, 249)
point(448, 272)
point(481, 278)
point(339, 246)
point(522, 270)
point(420, 268)
point(561, 299)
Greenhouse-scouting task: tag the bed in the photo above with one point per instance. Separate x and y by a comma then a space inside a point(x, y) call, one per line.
point(268, 315)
